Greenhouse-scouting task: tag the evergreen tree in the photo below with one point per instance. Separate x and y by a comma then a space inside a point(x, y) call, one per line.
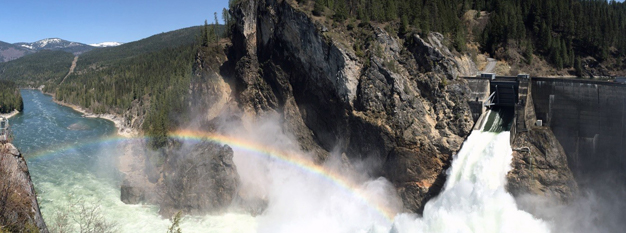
point(227, 22)
point(318, 8)
point(215, 23)
point(205, 34)
point(341, 13)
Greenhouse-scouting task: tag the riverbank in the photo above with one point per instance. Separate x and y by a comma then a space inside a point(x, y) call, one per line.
point(9, 115)
point(122, 130)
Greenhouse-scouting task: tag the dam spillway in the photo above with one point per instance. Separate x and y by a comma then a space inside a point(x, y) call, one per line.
point(588, 117)
point(474, 198)
point(489, 91)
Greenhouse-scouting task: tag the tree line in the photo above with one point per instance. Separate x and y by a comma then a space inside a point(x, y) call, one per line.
point(10, 97)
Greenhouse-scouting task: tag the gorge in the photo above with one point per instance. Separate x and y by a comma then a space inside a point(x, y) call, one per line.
point(293, 123)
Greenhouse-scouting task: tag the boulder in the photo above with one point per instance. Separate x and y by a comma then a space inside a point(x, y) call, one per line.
point(199, 178)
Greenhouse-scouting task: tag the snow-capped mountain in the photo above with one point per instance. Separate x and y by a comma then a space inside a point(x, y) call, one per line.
point(106, 44)
point(56, 44)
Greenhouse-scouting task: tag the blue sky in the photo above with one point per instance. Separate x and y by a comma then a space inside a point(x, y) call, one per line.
point(89, 21)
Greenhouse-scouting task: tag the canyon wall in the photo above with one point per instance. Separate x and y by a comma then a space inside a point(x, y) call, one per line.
point(398, 104)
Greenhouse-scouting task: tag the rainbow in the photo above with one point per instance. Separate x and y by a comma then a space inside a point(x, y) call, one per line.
point(296, 161)
point(290, 159)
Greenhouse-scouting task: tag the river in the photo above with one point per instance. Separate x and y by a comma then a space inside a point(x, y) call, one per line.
point(72, 161)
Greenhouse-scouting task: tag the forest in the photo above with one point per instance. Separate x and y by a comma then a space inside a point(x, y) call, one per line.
point(561, 31)
point(42, 68)
point(10, 97)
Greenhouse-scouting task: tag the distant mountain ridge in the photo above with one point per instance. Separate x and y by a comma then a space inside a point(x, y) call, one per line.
point(56, 44)
point(9, 52)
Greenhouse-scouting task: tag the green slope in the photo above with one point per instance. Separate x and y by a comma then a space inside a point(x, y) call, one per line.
point(110, 79)
point(110, 55)
point(42, 68)
point(10, 98)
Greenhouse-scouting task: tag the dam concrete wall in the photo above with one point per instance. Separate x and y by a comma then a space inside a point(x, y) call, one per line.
point(589, 120)
point(480, 92)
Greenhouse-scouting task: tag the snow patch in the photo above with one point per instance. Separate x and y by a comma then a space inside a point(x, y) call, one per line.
point(106, 44)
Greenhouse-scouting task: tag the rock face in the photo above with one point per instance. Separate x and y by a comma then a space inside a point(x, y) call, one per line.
point(199, 179)
point(544, 170)
point(19, 211)
point(400, 104)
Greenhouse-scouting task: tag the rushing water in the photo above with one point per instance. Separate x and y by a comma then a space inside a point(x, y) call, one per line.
point(474, 198)
point(65, 167)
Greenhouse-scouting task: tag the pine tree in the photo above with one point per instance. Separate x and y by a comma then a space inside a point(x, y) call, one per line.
point(318, 8)
point(341, 13)
point(227, 22)
point(404, 29)
point(205, 34)
point(578, 68)
point(215, 23)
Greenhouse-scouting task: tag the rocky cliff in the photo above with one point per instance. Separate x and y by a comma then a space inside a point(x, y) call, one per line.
point(19, 211)
point(362, 92)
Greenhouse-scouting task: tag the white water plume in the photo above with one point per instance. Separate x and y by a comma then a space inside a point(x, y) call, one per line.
point(474, 198)
point(300, 200)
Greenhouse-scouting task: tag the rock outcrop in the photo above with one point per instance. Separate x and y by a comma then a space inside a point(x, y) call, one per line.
point(543, 171)
point(194, 178)
point(400, 104)
point(198, 179)
point(19, 210)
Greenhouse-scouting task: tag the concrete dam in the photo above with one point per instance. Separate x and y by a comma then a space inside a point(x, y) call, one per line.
point(587, 117)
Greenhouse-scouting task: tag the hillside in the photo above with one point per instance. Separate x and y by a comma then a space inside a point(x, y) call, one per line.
point(108, 55)
point(10, 98)
point(42, 68)
point(143, 81)
point(566, 37)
